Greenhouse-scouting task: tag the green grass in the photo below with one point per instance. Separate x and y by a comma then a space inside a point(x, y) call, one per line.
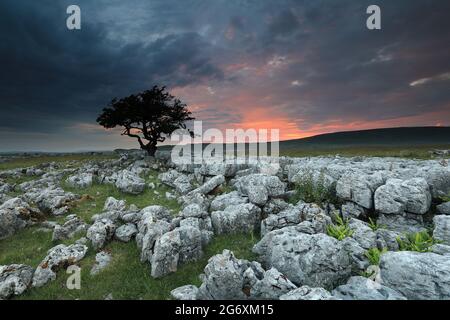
point(374, 255)
point(98, 193)
point(34, 161)
point(19, 180)
point(311, 191)
point(127, 278)
point(410, 152)
point(373, 224)
point(419, 242)
point(27, 246)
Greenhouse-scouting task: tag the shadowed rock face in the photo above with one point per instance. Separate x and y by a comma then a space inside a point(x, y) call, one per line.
point(442, 229)
point(236, 218)
point(101, 232)
point(416, 275)
point(314, 260)
point(443, 208)
point(184, 244)
point(15, 214)
point(361, 288)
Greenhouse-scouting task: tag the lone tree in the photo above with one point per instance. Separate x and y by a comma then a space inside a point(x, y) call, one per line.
point(152, 115)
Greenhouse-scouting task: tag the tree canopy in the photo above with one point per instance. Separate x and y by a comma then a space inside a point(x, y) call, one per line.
point(150, 116)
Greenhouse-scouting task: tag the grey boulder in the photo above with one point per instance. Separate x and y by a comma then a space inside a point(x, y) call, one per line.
point(295, 215)
point(443, 208)
point(236, 218)
point(442, 229)
point(363, 234)
point(418, 276)
point(147, 237)
point(361, 288)
point(223, 278)
point(228, 199)
point(402, 222)
point(100, 233)
point(112, 204)
point(80, 180)
point(208, 186)
point(273, 285)
point(14, 280)
point(126, 232)
point(69, 229)
point(359, 187)
point(398, 196)
point(57, 257)
point(102, 260)
point(315, 260)
point(183, 184)
point(14, 215)
point(183, 244)
point(308, 293)
point(387, 239)
point(129, 182)
point(259, 187)
point(187, 292)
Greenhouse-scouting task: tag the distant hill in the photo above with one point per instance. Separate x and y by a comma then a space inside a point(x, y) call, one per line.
point(408, 136)
point(413, 142)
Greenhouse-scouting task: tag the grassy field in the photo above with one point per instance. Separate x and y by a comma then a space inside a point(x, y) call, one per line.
point(126, 277)
point(95, 196)
point(409, 152)
point(24, 162)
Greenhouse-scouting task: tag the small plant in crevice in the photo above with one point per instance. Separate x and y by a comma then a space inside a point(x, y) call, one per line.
point(374, 255)
point(366, 274)
point(339, 229)
point(419, 242)
point(373, 224)
point(311, 190)
point(445, 198)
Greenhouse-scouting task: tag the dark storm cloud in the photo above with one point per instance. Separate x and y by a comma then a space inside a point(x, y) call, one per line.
point(51, 76)
point(311, 62)
point(348, 71)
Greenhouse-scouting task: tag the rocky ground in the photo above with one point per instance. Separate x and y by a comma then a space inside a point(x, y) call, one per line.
point(145, 228)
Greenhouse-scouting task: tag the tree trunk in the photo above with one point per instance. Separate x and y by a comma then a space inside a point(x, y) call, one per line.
point(151, 149)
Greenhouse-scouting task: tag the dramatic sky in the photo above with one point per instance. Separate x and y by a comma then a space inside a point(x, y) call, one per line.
point(303, 66)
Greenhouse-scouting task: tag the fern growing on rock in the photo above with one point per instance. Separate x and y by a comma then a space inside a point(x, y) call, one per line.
point(312, 190)
point(419, 241)
point(374, 255)
point(340, 229)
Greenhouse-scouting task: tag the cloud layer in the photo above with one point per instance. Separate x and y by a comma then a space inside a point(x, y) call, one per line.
point(305, 67)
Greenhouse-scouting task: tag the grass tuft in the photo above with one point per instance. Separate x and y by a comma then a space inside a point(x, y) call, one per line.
point(340, 229)
point(419, 242)
point(311, 191)
point(374, 255)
